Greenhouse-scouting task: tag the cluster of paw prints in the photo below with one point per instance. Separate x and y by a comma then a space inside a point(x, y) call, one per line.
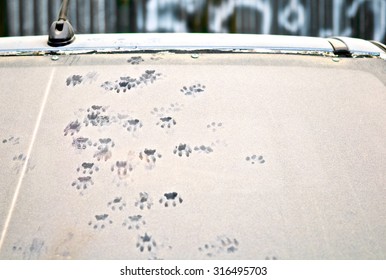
point(135, 222)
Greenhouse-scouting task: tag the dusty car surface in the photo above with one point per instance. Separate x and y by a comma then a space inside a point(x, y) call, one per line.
point(192, 146)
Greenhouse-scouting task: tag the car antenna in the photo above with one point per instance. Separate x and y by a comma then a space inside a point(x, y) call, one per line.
point(61, 32)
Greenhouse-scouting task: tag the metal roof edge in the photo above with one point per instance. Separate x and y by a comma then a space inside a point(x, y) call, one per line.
point(184, 42)
point(140, 42)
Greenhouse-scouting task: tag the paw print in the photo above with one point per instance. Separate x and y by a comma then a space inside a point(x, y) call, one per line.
point(104, 146)
point(203, 149)
point(123, 84)
point(81, 143)
point(87, 168)
point(144, 201)
point(123, 168)
point(135, 60)
point(74, 80)
point(132, 125)
point(172, 199)
point(166, 122)
point(117, 204)
point(72, 128)
point(161, 112)
point(149, 77)
point(90, 77)
point(134, 222)
point(150, 157)
point(11, 140)
point(19, 161)
point(83, 183)
point(96, 116)
point(182, 149)
point(146, 243)
point(255, 159)
point(213, 126)
point(223, 244)
point(100, 221)
point(193, 90)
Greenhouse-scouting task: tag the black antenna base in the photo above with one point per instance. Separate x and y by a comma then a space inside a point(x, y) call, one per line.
point(61, 33)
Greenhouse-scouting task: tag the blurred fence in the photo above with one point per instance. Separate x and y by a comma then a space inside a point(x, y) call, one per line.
point(357, 18)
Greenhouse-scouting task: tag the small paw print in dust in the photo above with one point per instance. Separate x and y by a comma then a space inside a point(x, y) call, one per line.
point(203, 149)
point(132, 125)
point(72, 128)
point(215, 126)
point(19, 161)
point(161, 112)
point(135, 60)
point(100, 222)
point(193, 90)
point(81, 143)
point(117, 204)
point(182, 150)
point(11, 140)
point(74, 80)
point(222, 245)
point(149, 156)
point(82, 183)
point(150, 76)
point(96, 116)
point(124, 84)
point(134, 222)
point(171, 199)
point(122, 168)
point(255, 159)
point(144, 201)
point(87, 168)
point(146, 243)
point(166, 122)
point(104, 146)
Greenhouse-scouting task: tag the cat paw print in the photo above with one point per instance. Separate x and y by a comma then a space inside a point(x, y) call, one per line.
point(166, 111)
point(132, 125)
point(11, 140)
point(144, 201)
point(117, 204)
point(170, 199)
point(150, 76)
point(104, 146)
point(134, 222)
point(82, 183)
point(222, 245)
point(96, 116)
point(214, 126)
point(72, 128)
point(150, 157)
point(19, 161)
point(74, 80)
point(87, 168)
point(100, 222)
point(182, 150)
point(135, 60)
point(203, 149)
point(193, 90)
point(81, 143)
point(146, 243)
point(122, 168)
point(166, 122)
point(255, 159)
point(124, 84)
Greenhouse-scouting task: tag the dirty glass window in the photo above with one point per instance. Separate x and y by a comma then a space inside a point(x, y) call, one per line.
point(192, 156)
